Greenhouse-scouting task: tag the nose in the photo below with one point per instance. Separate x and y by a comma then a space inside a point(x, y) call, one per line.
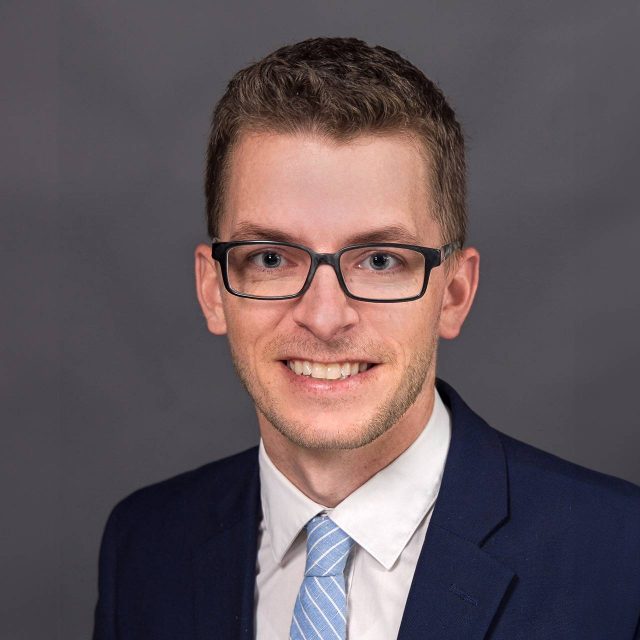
point(324, 309)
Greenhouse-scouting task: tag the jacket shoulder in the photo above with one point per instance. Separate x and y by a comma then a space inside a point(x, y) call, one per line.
point(212, 495)
point(537, 464)
point(535, 476)
point(565, 496)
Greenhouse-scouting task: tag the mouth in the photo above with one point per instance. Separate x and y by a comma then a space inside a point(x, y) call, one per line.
point(328, 370)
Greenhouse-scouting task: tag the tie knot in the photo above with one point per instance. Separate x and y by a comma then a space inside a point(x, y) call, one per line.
point(328, 547)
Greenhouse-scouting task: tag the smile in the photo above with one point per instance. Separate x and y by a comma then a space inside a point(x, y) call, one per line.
point(327, 371)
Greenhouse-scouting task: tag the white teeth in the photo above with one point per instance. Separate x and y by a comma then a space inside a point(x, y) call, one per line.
point(331, 371)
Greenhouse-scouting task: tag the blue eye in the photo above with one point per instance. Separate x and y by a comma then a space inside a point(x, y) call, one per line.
point(267, 259)
point(381, 261)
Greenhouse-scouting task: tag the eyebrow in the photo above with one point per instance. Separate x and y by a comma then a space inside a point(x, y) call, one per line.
point(388, 233)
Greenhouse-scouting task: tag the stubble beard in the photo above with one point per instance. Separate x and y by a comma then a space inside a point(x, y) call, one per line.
point(354, 436)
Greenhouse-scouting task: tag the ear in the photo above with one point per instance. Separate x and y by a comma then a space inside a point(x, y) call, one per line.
point(460, 290)
point(210, 289)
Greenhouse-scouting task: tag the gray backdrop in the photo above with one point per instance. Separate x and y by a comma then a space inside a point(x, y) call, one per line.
point(110, 379)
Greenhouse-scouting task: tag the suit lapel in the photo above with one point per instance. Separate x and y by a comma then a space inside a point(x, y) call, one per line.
point(457, 586)
point(456, 590)
point(224, 567)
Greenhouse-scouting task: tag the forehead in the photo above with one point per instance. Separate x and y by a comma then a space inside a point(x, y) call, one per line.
point(321, 192)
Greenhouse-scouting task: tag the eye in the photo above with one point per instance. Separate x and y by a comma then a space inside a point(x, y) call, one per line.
point(267, 259)
point(380, 261)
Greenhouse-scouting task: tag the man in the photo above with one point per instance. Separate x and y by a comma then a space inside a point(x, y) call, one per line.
point(378, 505)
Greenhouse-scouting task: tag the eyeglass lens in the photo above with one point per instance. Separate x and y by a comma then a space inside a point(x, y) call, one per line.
point(378, 273)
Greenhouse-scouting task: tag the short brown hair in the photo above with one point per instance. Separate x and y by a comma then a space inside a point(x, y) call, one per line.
point(341, 88)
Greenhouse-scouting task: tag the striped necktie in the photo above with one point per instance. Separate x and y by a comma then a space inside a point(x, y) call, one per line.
point(320, 612)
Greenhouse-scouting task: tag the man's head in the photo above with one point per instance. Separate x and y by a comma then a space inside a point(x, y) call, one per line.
point(325, 144)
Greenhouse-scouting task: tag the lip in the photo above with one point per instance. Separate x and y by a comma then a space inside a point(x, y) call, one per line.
point(319, 386)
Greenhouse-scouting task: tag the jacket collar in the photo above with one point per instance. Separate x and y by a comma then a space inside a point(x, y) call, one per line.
point(474, 497)
point(457, 586)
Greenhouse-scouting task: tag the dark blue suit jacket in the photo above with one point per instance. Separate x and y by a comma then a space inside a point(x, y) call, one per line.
point(521, 545)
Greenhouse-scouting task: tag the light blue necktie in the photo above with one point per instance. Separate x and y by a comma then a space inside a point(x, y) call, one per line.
point(320, 612)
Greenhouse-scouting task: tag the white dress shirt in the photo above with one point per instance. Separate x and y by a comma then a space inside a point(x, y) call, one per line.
point(387, 517)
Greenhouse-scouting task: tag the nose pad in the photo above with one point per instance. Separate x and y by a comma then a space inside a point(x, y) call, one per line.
point(325, 309)
point(328, 260)
point(324, 279)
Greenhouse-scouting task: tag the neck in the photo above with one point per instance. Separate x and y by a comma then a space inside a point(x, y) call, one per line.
point(328, 476)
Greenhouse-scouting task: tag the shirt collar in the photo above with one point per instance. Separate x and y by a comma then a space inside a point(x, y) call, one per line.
point(382, 514)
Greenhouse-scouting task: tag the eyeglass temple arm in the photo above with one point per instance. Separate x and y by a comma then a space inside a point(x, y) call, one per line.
point(448, 249)
point(214, 242)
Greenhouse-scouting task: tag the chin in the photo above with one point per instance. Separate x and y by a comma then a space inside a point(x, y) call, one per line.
point(327, 441)
point(317, 436)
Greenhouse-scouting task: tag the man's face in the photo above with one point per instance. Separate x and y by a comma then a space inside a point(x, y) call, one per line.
point(326, 195)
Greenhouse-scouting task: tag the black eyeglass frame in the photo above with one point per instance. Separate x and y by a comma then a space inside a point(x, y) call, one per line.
point(432, 258)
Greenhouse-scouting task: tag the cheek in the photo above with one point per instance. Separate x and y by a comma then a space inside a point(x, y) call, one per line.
point(405, 324)
point(241, 330)
point(250, 325)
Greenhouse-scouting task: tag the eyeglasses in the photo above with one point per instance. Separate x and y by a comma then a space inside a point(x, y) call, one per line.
point(384, 272)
